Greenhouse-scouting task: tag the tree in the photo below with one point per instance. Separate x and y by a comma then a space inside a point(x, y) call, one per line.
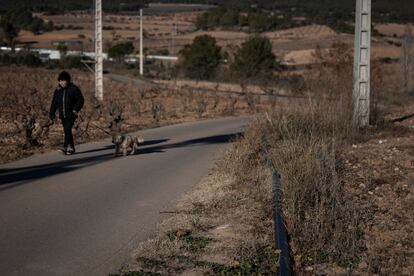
point(254, 57)
point(63, 49)
point(8, 32)
point(202, 21)
point(214, 17)
point(120, 50)
point(260, 22)
point(23, 18)
point(230, 18)
point(201, 58)
point(36, 26)
point(49, 26)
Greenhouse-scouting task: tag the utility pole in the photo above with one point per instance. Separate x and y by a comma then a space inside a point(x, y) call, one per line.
point(98, 51)
point(173, 36)
point(362, 63)
point(141, 50)
point(406, 59)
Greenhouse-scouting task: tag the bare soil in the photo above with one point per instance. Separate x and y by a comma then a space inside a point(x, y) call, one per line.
point(380, 178)
point(293, 45)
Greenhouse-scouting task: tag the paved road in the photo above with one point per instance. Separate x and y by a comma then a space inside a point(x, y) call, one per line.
point(83, 214)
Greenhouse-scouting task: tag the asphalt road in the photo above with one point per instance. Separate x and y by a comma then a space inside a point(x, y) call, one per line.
point(84, 214)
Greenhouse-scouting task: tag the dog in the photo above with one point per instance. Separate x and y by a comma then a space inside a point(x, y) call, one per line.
point(126, 142)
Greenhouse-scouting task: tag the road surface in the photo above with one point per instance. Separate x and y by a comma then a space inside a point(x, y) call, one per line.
point(83, 214)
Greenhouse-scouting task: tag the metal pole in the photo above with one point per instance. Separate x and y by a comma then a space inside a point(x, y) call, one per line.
point(98, 51)
point(362, 63)
point(141, 51)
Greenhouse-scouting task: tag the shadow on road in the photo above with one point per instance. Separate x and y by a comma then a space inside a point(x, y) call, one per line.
point(19, 176)
point(218, 139)
point(146, 143)
point(94, 150)
point(30, 173)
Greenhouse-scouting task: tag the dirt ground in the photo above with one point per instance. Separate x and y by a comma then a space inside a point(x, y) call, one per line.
point(381, 171)
point(116, 28)
point(292, 45)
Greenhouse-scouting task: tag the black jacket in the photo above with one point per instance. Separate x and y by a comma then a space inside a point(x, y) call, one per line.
point(68, 100)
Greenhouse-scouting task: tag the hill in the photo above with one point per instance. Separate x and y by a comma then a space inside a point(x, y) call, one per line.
point(383, 10)
point(61, 5)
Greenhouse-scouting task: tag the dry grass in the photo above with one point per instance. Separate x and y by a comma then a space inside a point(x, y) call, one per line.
point(305, 145)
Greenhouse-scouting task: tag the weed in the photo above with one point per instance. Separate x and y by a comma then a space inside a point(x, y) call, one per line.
point(262, 262)
point(151, 263)
point(189, 242)
point(137, 273)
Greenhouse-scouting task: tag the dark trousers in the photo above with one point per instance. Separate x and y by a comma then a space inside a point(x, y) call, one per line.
point(67, 127)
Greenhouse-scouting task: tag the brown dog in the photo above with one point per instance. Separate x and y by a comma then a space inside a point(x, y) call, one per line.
point(126, 142)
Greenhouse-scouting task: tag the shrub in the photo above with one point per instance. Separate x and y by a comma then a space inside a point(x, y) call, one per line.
point(254, 57)
point(8, 32)
point(71, 62)
point(22, 18)
point(24, 58)
point(63, 49)
point(120, 50)
point(201, 58)
point(31, 60)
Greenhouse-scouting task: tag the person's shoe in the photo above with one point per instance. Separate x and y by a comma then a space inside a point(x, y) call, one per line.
point(70, 151)
point(63, 150)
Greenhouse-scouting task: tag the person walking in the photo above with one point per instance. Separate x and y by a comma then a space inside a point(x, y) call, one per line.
point(68, 99)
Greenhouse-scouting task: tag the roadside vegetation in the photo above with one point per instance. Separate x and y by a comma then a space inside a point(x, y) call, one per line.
point(225, 226)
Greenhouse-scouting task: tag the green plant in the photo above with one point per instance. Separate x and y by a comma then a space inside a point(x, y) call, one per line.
point(120, 50)
point(254, 57)
point(63, 49)
point(8, 32)
point(201, 58)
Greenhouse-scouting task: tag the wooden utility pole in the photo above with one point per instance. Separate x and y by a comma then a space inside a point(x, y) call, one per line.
point(362, 63)
point(98, 51)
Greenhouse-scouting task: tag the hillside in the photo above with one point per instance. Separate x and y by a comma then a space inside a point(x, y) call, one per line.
point(59, 5)
point(395, 11)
